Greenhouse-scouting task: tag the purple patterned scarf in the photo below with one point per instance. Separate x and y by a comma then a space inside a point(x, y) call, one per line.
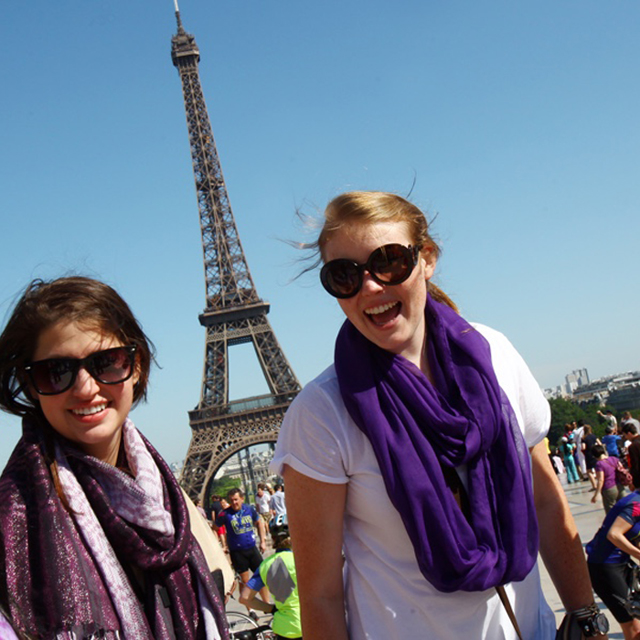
point(51, 578)
point(416, 428)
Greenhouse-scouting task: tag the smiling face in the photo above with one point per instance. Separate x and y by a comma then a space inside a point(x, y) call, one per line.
point(90, 413)
point(236, 501)
point(390, 316)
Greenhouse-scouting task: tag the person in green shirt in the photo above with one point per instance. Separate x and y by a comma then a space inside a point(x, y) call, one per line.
point(278, 574)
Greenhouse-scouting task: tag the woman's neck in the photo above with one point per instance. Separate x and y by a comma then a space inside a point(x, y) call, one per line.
point(425, 367)
point(423, 360)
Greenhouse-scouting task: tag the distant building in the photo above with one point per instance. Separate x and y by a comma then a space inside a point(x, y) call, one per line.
point(555, 392)
point(576, 379)
point(251, 466)
point(620, 391)
point(572, 381)
point(596, 391)
point(625, 396)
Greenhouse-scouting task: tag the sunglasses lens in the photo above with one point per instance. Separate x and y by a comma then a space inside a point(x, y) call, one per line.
point(391, 264)
point(111, 366)
point(52, 376)
point(340, 278)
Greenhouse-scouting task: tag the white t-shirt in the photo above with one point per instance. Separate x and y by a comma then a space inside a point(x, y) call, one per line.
point(578, 432)
point(262, 502)
point(386, 594)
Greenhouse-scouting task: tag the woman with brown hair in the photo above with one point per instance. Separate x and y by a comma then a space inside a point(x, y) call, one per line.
point(607, 483)
point(95, 530)
point(416, 453)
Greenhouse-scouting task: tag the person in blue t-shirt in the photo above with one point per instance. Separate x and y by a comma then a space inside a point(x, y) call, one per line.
point(239, 520)
point(609, 559)
point(611, 441)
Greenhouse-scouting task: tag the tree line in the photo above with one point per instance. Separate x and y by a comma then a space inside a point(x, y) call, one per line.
point(564, 411)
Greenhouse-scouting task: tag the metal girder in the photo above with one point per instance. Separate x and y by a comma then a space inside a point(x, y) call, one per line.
point(216, 438)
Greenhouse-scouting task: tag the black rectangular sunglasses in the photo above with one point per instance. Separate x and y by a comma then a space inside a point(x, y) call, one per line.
point(55, 375)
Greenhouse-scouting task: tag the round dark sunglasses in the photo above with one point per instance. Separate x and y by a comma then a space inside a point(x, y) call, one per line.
point(55, 375)
point(388, 265)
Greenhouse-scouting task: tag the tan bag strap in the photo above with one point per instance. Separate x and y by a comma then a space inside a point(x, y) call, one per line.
point(507, 605)
point(454, 483)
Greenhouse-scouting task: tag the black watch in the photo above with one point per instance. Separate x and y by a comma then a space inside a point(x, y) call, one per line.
point(596, 624)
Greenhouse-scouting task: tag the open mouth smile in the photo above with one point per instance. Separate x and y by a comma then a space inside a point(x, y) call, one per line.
point(384, 313)
point(89, 411)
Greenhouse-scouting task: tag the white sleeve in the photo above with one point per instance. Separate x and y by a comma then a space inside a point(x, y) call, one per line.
point(515, 378)
point(311, 439)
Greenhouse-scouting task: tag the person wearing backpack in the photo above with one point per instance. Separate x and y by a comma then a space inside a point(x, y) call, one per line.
point(609, 484)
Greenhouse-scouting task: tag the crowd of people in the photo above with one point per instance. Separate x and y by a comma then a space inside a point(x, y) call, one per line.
point(420, 488)
point(612, 465)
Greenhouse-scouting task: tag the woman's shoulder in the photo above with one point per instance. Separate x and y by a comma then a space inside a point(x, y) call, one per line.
point(497, 340)
point(319, 403)
point(327, 380)
point(324, 389)
point(507, 362)
point(504, 356)
point(16, 472)
point(516, 380)
point(315, 435)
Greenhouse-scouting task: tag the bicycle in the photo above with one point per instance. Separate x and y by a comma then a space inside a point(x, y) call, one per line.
point(243, 627)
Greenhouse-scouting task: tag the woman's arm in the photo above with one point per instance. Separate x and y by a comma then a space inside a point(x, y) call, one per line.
point(599, 484)
point(560, 544)
point(616, 535)
point(315, 511)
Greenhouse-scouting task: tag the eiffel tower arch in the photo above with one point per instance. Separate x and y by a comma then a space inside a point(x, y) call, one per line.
point(234, 313)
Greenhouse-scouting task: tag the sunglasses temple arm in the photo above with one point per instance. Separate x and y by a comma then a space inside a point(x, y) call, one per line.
point(16, 392)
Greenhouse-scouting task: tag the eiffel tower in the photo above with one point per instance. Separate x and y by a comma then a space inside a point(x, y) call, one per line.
point(233, 315)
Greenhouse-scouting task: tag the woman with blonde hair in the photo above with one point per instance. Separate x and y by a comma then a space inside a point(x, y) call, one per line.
point(416, 452)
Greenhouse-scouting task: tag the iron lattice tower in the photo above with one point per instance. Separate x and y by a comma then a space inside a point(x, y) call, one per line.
point(234, 314)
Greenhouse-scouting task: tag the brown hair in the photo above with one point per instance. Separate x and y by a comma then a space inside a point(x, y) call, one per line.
point(86, 301)
point(281, 543)
point(372, 207)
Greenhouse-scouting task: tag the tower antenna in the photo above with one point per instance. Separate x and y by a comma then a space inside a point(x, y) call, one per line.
point(177, 12)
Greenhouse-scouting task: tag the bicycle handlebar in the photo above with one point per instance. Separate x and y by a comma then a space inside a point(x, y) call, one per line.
point(250, 634)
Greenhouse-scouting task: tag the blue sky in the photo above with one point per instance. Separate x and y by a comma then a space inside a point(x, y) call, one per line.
point(517, 121)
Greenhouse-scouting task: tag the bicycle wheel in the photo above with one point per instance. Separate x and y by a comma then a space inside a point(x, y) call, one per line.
point(239, 623)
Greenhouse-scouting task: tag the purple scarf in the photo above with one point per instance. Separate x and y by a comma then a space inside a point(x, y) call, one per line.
point(416, 428)
point(49, 580)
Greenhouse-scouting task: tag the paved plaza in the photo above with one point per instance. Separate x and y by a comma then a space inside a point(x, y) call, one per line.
point(588, 518)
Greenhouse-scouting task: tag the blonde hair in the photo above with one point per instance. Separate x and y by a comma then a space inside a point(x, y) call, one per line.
point(373, 207)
